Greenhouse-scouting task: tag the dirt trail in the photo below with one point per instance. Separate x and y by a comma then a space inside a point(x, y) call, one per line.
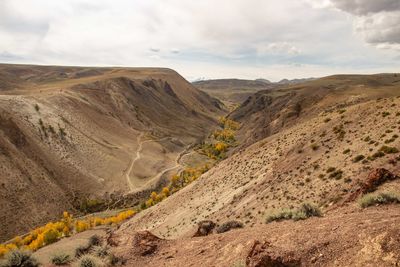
point(134, 159)
point(177, 165)
point(138, 156)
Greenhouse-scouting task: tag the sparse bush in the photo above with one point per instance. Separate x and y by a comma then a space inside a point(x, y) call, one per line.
point(279, 215)
point(346, 151)
point(229, 226)
point(337, 174)
point(99, 251)
point(314, 147)
point(37, 108)
point(89, 261)
point(376, 155)
point(81, 250)
point(51, 236)
point(94, 240)
point(379, 199)
point(330, 169)
point(19, 258)
point(389, 150)
point(339, 131)
point(305, 211)
point(114, 260)
point(358, 158)
point(61, 259)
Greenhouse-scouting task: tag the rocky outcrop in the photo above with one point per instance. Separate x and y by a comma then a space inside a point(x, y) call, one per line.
point(261, 255)
point(376, 178)
point(145, 243)
point(204, 228)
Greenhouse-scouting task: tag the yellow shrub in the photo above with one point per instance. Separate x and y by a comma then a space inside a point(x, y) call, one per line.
point(149, 202)
point(81, 226)
point(27, 239)
point(153, 196)
point(165, 191)
point(220, 147)
point(3, 250)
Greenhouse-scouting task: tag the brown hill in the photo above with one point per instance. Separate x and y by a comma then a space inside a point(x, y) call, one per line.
point(71, 133)
point(268, 111)
point(326, 154)
point(232, 92)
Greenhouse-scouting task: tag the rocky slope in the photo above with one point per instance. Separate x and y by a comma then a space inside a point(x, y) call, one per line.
point(267, 112)
point(346, 128)
point(70, 133)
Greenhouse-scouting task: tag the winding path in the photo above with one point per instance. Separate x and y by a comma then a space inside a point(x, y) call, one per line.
point(137, 156)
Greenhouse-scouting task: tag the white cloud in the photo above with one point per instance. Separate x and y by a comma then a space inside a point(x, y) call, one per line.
point(182, 34)
point(377, 22)
point(284, 48)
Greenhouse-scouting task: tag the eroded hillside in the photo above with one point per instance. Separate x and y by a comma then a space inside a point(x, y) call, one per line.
point(324, 155)
point(267, 112)
point(69, 134)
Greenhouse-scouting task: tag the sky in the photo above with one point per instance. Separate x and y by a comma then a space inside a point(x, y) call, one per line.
point(206, 39)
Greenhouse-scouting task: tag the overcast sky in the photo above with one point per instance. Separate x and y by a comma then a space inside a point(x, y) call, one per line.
point(208, 38)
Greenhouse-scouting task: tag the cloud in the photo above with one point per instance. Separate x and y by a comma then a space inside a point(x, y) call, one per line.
point(365, 7)
point(237, 34)
point(155, 50)
point(376, 21)
point(284, 48)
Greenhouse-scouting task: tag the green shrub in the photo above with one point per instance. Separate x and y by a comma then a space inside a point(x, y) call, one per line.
point(229, 226)
point(94, 240)
point(51, 236)
point(378, 154)
point(346, 151)
point(337, 174)
point(314, 147)
point(19, 258)
point(305, 211)
point(358, 158)
point(279, 215)
point(89, 261)
point(99, 251)
point(389, 150)
point(61, 259)
point(330, 169)
point(81, 250)
point(379, 199)
point(37, 108)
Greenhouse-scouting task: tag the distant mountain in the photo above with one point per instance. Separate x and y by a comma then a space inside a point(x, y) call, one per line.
point(263, 80)
point(295, 81)
point(232, 91)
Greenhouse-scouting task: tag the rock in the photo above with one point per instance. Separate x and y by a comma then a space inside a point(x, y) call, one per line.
point(262, 255)
point(145, 243)
point(376, 178)
point(204, 228)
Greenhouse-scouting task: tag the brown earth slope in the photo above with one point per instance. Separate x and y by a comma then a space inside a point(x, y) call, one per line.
point(346, 237)
point(268, 111)
point(347, 127)
point(69, 133)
